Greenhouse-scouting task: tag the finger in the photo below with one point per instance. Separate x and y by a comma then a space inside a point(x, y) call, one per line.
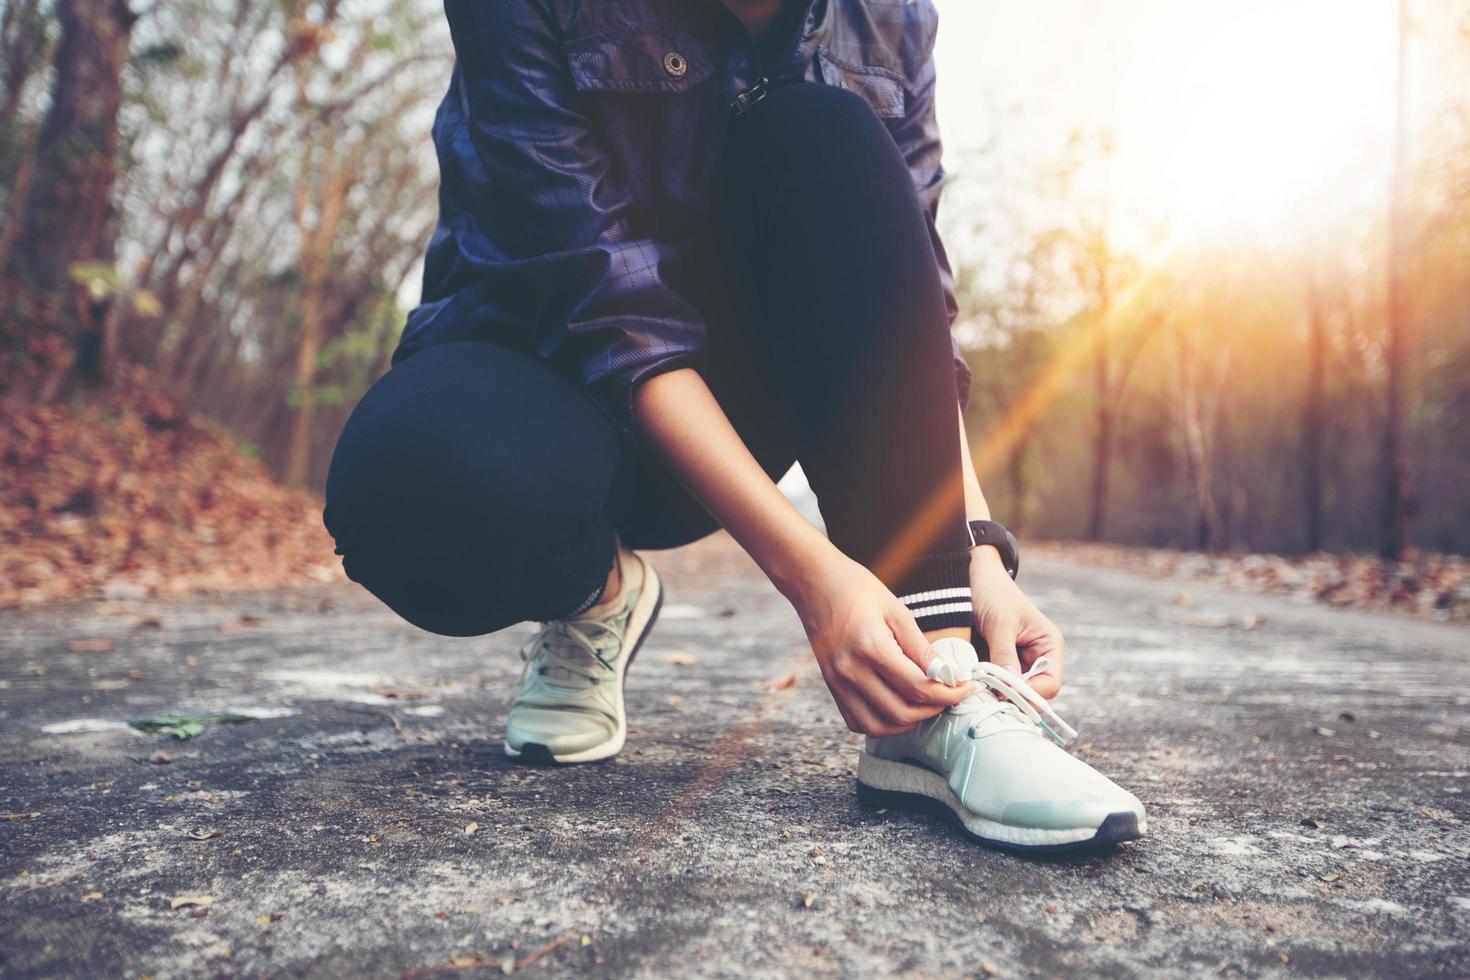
point(895, 708)
point(903, 677)
point(1045, 684)
point(911, 640)
point(1043, 639)
point(870, 720)
point(1001, 641)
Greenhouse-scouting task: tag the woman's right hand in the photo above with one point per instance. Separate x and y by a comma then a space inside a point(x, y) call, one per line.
point(872, 653)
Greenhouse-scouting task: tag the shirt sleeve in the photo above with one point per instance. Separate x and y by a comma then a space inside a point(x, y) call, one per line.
point(917, 136)
point(540, 243)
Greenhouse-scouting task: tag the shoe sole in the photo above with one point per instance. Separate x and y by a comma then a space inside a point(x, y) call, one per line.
point(645, 612)
point(883, 783)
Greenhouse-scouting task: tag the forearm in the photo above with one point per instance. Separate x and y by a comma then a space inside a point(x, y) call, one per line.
point(976, 509)
point(681, 418)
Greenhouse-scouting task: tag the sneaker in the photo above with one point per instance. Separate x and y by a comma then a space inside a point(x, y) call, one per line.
point(570, 708)
point(995, 763)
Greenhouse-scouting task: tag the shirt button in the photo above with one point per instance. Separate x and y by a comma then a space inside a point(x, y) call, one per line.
point(675, 64)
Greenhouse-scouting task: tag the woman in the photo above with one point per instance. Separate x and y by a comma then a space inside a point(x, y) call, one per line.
point(681, 246)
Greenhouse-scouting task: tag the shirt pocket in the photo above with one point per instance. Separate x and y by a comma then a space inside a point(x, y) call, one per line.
point(882, 88)
point(639, 61)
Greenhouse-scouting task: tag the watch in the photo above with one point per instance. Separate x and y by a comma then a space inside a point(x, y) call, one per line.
point(995, 533)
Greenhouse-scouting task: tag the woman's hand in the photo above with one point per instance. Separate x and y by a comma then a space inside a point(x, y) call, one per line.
point(872, 654)
point(871, 651)
point(1011, 626)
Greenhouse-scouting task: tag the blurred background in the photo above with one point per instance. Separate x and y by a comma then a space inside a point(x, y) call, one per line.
point(1213, 265)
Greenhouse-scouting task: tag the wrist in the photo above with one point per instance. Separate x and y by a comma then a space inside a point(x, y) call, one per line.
point(805, 568)
point(986, 558)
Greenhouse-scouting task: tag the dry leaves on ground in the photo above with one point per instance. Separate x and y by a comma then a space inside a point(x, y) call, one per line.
point(122, 494)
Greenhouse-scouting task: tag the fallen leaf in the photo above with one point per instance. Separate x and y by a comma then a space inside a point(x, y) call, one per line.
point(242, 622)
point(92, 897)
point(471, 827)
point(186, 726)
point(784, 683)
point(100, 644)
point(160, 758)
point(397, 692)
point(682, 659)
point(808, 899)
point(183, 900)
point(1324, 731)
point(205, 834)
point(9, 817)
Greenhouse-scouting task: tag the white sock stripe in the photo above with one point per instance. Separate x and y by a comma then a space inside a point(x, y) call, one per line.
point(951, 607)
point(916, 597)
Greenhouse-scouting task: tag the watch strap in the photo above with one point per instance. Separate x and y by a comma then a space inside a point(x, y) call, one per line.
point(994, 533)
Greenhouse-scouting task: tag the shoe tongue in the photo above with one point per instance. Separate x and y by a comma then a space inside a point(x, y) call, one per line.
point(568, 650)
point(954, 661)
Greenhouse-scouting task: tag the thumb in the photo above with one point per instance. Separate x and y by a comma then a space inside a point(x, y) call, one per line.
point(1000, 639)
point(911, 639)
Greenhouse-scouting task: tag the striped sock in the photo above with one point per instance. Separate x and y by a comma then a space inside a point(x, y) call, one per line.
point(937, 590)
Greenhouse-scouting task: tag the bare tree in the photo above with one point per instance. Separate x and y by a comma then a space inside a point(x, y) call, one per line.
point(67, 217)
point(1398, 500)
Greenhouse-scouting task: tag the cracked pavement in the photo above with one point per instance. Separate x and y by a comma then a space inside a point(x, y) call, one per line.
point(1304, 770)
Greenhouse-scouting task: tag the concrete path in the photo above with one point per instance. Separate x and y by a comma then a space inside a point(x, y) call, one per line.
point(1304, 771)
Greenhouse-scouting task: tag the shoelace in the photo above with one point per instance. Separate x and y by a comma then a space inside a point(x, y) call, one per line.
point(1010, 693)
point(563, 644)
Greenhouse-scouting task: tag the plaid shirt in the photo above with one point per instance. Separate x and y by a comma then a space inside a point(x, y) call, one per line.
point(577, 144)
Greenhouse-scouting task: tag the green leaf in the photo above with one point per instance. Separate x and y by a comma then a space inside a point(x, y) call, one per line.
point(185, 726)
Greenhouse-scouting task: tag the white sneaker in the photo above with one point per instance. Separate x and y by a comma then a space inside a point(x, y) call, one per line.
point(994, 762)
point(570, 708)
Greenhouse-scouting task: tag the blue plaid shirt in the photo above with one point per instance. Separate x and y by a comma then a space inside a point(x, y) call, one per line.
point(577, 144)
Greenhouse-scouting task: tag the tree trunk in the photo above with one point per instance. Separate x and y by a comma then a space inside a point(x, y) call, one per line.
point(1102, 436)
point(316, 256)
point(66, 218)
point(1314, 417)
point(1197, 452)
point(1397, 520)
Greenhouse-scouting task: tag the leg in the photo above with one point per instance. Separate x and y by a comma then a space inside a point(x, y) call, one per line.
point(469, 488)
point(849, 311)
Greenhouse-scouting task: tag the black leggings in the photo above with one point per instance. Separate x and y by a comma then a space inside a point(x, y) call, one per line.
point(474, 488)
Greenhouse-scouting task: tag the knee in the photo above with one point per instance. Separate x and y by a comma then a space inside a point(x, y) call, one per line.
point(450, 471)
point(811, 124)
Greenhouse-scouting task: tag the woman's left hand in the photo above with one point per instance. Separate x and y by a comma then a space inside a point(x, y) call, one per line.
point(1014, 630)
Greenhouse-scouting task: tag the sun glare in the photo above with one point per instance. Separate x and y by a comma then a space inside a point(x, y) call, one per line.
point(1269, 120)
point(1251, 119)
